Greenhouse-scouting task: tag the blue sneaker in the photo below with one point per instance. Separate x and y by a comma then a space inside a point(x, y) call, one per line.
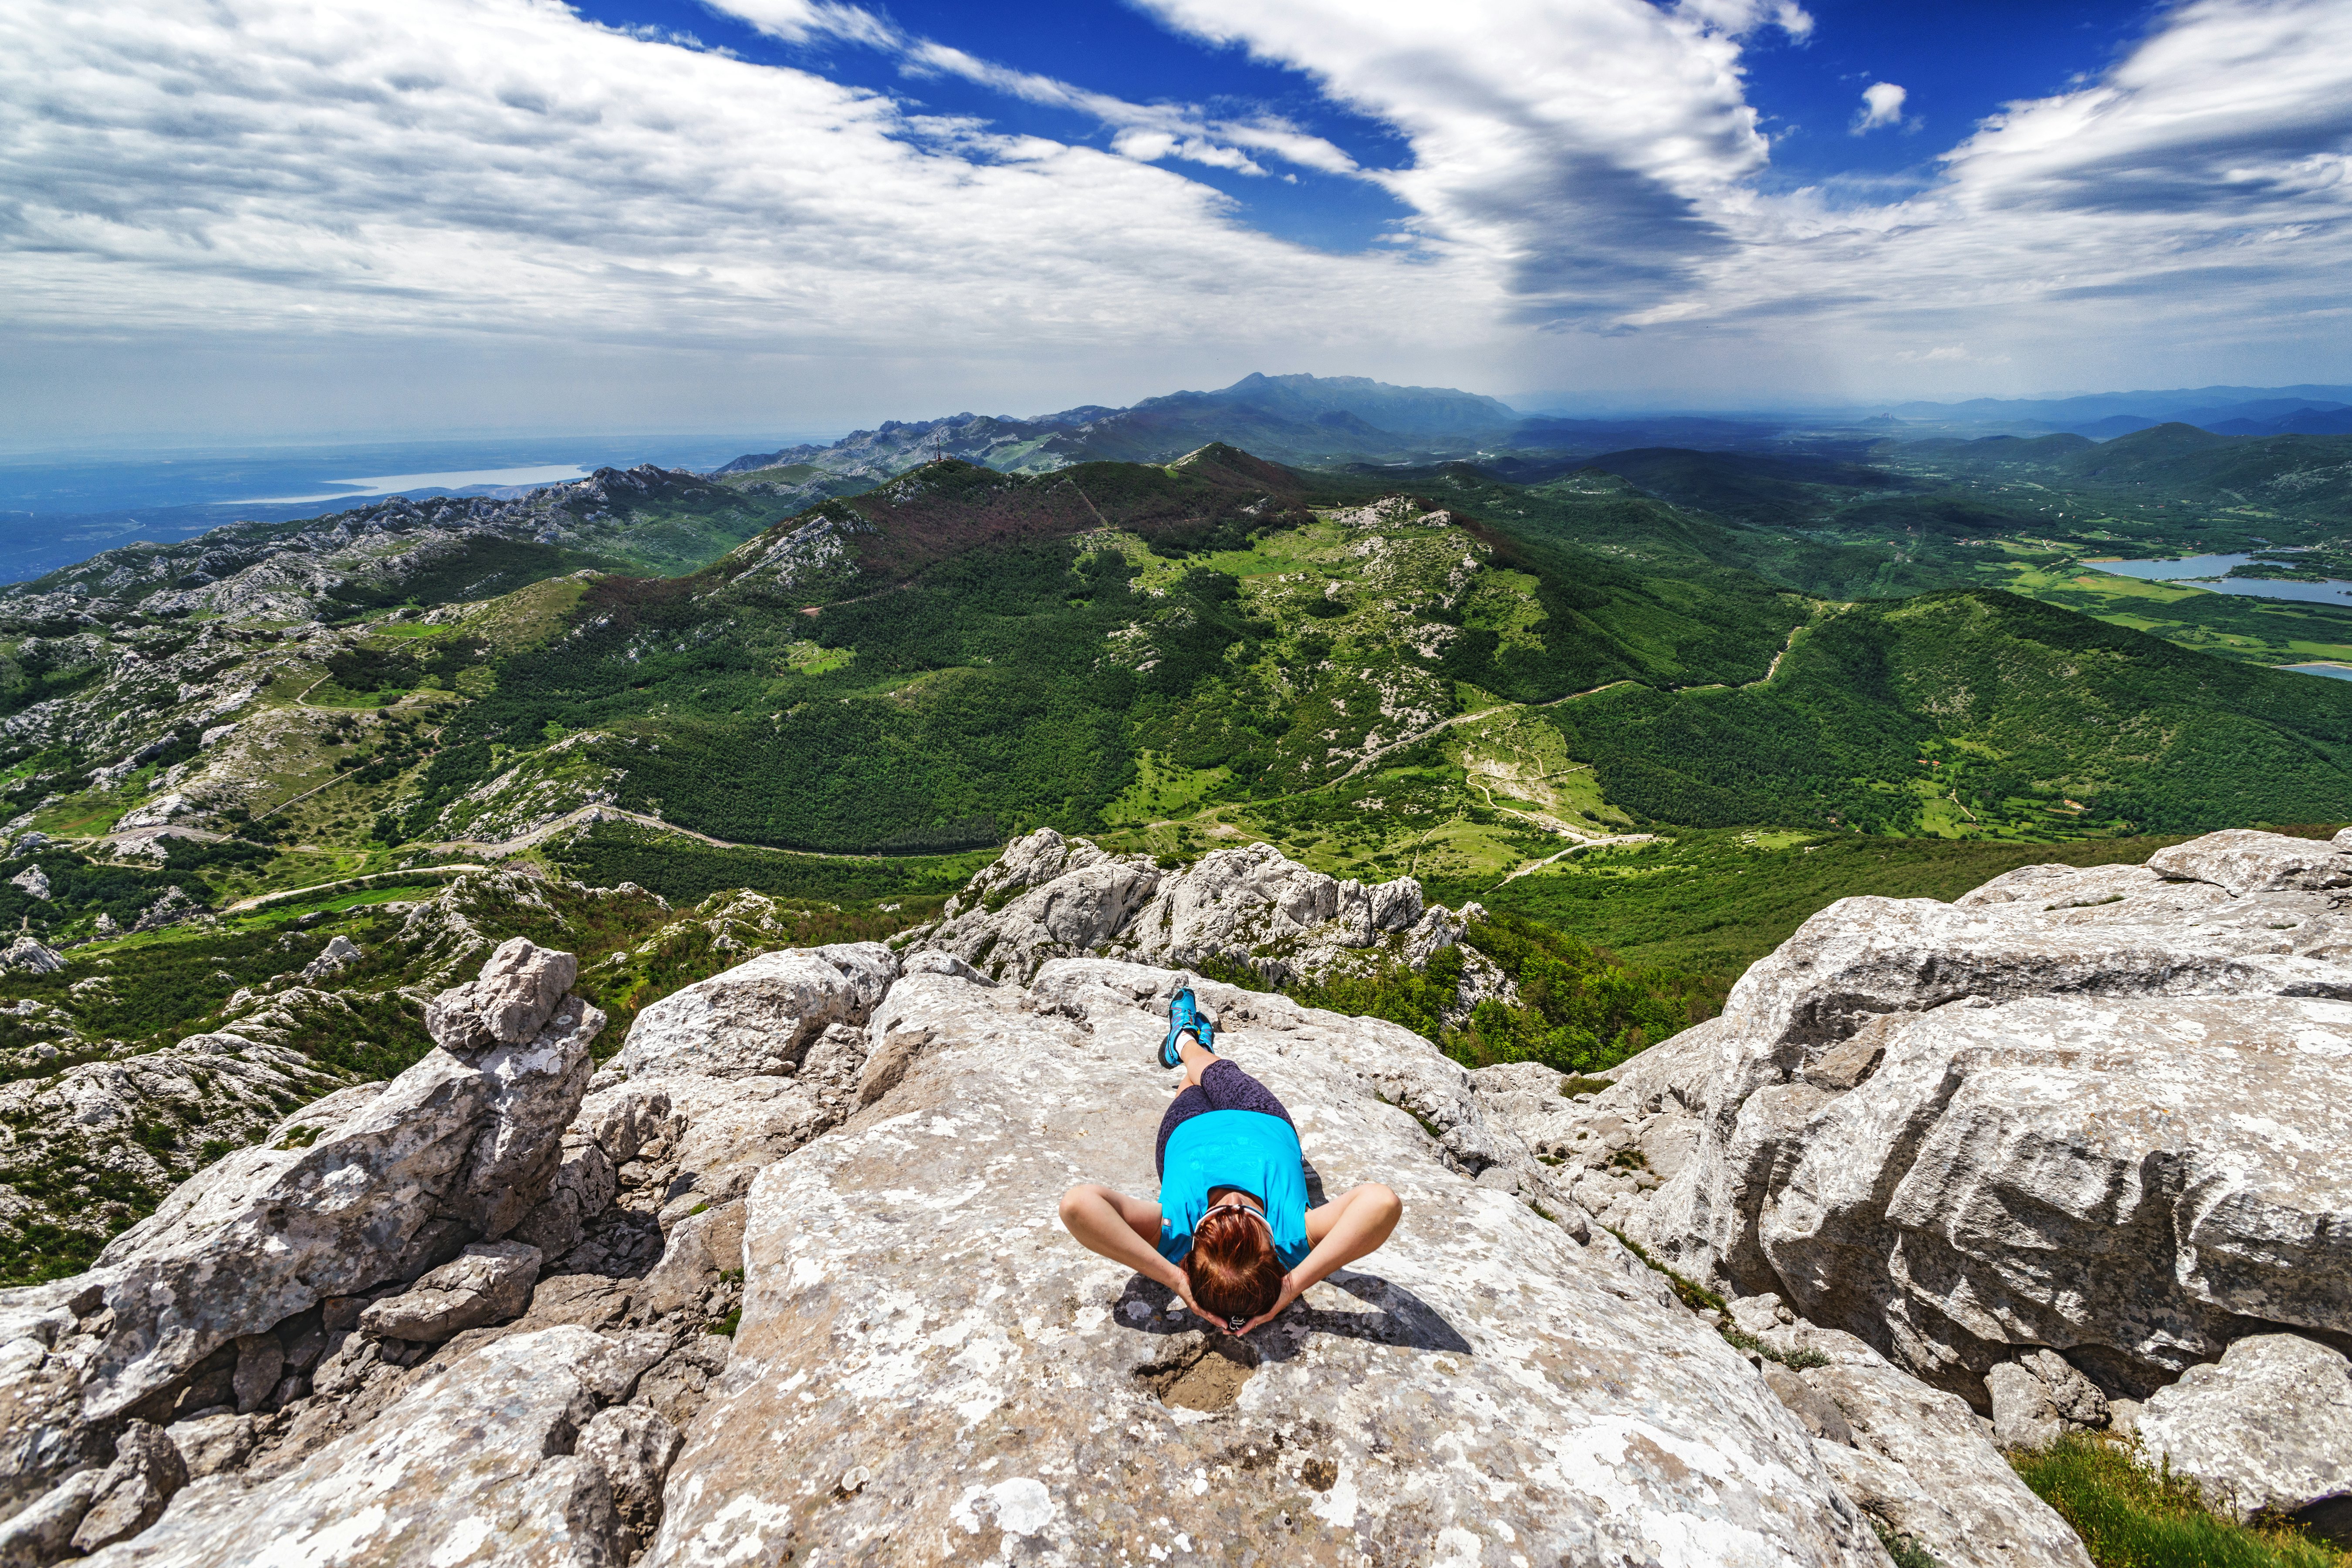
point(1183, 1018)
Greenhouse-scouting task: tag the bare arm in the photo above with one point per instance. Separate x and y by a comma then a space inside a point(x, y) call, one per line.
point(1115, 1227)
point(1348, 1228)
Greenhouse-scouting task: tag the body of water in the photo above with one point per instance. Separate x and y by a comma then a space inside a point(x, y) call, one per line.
point(2338, 671)
point(58, 509)
point(2210, 571)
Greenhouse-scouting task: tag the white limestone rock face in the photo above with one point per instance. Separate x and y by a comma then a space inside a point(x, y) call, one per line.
point(27, 954)
point(1917, 1459)
point(486, 1283)
point(339, 953)
point(374, 1183)
point(2266, 1429)
point(1051, 897)
point(758, 1019)
point(475, 1466)
point(2126, 1185)
point(2096, 1111)
point(927, 1364)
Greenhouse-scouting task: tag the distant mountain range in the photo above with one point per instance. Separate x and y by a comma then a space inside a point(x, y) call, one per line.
point(2224, 410)
point(1308, 421)
point(1350, 422)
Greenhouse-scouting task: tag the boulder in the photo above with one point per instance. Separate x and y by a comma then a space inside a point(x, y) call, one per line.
point(517, 991)
point(2021, 1413)
point(339, 953)
point(2265, 1430)
point(474, 1465)
point(134, 1491)
point(27, 953)
point(2243, 861)
point(43, 1531)
point(701, 1247)
point(2038, 1396)
point(634, 1446)
point(758, 1019)
point(490, 1282)
point(210, 1445)
point(2018, 1122)
point(2085, 1176)
point(1917, 1461)
point(924, 1356)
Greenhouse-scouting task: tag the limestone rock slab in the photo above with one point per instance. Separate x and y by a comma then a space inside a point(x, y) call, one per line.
point(760, 1018)
point(2125, 1182)
point(1917, 1459)
point(914, 1313)
point(490, 1282)
point(2266, 1429)
point(474, 1466)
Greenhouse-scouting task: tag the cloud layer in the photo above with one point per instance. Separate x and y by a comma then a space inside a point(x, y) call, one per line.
point(1580, 185)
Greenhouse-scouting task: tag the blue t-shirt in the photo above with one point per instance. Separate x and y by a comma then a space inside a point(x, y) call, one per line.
point(1245, 1149)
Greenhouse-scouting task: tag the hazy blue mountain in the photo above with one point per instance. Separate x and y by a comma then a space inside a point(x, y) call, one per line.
point(2306, 421)
point(2189, 405)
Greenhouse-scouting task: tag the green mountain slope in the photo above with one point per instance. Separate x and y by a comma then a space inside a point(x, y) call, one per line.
point(959, 654)
point(1982, 711)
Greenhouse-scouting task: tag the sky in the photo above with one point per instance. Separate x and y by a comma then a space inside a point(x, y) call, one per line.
point(275, 219)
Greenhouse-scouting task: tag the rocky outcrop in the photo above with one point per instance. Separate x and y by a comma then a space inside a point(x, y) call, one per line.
point(193, 1307)
point(910, 1262)
point(2265, 1431)
point(2095, 1112)
point(488, 1324)
point(758, 1019)
point(1050, 898)
point(223, 1086)
point(27, 953)
point(339, 953)
point(480, 1464)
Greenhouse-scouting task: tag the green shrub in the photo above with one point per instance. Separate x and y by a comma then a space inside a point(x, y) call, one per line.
point(2131, 1515)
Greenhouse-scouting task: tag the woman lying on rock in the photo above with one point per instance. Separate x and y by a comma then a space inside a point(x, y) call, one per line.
point(1232, 1234)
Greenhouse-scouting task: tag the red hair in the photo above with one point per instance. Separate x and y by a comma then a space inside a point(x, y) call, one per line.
point(1233, 1269)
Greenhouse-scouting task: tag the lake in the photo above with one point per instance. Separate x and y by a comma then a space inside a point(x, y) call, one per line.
point(2340, 672)
point(2207, 571)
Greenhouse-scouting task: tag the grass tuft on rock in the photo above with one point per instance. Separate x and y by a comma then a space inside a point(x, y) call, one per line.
point(2133, 1515)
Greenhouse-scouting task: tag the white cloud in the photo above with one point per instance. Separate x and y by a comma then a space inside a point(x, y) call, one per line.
point(499, 165)
point(1571, 152)
point(501, 173)
point(1882, 104)
point(1738, 18)
point(1948, 354)
point(1144, 132)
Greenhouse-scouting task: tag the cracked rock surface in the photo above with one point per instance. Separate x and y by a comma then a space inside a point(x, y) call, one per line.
point(2098, 1112)
point(914, 1312)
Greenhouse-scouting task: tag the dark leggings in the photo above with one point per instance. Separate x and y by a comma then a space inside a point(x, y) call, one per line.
point(1223, 1087)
